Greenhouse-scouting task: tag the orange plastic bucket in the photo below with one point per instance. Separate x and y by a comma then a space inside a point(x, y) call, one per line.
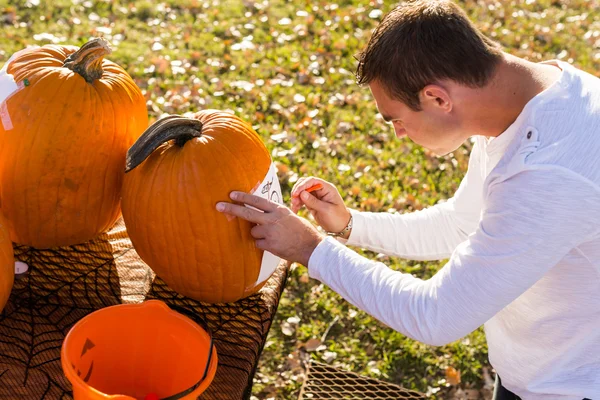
point(138, 351)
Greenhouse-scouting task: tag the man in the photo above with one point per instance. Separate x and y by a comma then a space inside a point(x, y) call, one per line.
point(522, 233)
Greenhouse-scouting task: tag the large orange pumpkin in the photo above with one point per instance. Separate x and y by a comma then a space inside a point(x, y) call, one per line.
point(7, 263)
point(169, 203)
point(63, 139)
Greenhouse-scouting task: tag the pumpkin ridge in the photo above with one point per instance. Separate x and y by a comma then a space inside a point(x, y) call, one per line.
point(105, 103)
point(159, 166)
point(171, 228)
point(148, 197)
point(243, 127)
point(240, 223)
point(250, 184)
point(118, 117)
point(253, 138)
point(30, 59)
point(114, 74)
point(87, 94)
point(140, 201)
point(191, 229)
point(199, 284)
point(5, 160)
point(35, 137)
point(225, 276)
point(66, 105)
point(7, 263)
point(32, 74)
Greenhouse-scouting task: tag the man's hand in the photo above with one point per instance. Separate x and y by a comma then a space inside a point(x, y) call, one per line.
point(278, 230)
point(326, 204)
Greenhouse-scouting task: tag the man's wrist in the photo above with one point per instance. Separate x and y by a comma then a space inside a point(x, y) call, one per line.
point(309, 250)
point(349, 227)
point(344, 233)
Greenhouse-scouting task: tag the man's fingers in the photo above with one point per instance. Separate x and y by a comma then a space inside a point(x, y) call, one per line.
point(312, 203)
point(259, 231)
point(243, 212)
point(254, 201)
point(296, 204)
point(299, 182)
point(261, 244)
point(305, 184)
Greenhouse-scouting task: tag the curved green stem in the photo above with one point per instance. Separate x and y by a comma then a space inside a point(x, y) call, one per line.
point(180, 129)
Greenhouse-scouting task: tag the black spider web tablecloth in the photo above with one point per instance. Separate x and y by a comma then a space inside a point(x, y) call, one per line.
point(65, 284)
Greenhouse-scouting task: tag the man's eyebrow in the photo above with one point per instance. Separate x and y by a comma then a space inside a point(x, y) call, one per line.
point(386, 118)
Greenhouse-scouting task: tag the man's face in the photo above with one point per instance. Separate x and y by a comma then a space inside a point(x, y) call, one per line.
point(434, 127)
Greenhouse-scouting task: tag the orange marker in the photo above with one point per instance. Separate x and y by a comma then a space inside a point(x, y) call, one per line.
point(313, 188)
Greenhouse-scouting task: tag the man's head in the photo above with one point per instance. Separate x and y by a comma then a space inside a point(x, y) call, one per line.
point(418, 54)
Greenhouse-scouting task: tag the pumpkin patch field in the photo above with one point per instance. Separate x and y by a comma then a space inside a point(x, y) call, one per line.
point(283, 71)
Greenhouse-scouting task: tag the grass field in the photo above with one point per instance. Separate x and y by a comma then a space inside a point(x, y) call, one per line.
point(287, 67)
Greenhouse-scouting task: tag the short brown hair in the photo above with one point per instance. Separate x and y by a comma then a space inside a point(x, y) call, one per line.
point(421, 42)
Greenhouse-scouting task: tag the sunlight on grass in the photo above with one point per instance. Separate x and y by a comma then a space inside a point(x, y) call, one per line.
point(287, 68)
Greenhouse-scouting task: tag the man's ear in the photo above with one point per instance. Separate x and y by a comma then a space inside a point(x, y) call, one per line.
point(435, 97)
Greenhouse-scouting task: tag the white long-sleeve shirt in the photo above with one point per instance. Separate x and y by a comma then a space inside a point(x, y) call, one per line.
point(522, 235)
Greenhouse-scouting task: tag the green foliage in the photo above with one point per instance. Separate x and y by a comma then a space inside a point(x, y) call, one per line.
point(287, 67)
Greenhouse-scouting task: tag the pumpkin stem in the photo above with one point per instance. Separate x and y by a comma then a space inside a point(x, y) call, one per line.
point(87, 61)
point(175, 127)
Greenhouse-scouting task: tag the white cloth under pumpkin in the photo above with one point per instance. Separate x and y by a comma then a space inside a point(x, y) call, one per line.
point(522, 235)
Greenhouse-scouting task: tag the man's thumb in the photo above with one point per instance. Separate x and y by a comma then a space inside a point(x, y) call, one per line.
point(311, 201)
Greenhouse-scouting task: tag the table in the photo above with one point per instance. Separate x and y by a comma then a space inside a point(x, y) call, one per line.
point(65, 284)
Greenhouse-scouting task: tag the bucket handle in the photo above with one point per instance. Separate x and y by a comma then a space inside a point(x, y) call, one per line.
point(204, 326)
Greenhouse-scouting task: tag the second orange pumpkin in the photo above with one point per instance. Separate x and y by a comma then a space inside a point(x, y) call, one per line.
point(169, 203)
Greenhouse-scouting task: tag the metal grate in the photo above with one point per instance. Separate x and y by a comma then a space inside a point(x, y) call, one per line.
point(326, 382)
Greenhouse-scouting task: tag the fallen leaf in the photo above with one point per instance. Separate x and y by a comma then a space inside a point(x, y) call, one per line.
point(453, 376)
point(312, 344)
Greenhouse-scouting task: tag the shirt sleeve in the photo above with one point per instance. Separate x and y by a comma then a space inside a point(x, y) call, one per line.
point(430, 234)
point(528, 225)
